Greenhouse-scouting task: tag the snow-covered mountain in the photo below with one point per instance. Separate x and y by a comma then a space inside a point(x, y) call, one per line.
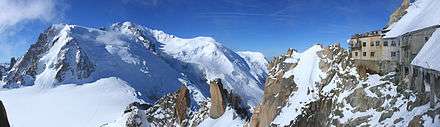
point(68, 61)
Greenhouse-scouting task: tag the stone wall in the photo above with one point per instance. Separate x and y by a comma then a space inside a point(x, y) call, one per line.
point(425, 81)
point(377, 67)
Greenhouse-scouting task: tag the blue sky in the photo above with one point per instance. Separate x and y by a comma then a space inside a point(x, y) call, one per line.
point(267, 26)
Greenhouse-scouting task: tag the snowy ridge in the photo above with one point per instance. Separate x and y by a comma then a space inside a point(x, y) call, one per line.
point(306, 75)
point(428, 56)
point(212, 60)
point(420, 14)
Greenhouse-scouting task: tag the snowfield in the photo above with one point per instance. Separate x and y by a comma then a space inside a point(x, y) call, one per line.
point(86, 105)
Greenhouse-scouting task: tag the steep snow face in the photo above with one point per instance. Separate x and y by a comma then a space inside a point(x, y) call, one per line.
point(205, 59)
point(258, 64)
point(428, 56)
point(306, 74)
point(87, 105)
point(420, 14)
point(82, 54)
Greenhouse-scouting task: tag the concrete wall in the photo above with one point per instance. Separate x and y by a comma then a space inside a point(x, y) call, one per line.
point(425, 81)
point(375, 66)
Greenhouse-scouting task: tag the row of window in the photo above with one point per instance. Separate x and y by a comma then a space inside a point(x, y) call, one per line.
point(377, 43)
point(393, 54)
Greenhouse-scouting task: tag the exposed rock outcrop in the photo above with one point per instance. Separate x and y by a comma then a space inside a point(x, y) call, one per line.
point(182, 104)
point(218, 98)
point(3, 116)
point(276, 92)
point(399, 13)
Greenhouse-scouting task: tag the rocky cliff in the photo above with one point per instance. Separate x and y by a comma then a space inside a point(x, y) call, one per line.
point(339, 96)
point(398, 13)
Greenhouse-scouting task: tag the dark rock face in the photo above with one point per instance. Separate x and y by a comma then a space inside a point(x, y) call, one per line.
point(12, 63)
point(316, 115)
point(73, 62)
point(3, 116)
point(26, 68)
point(2, 71)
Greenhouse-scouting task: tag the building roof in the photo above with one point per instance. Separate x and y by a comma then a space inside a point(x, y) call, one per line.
point(429, 57)
point(368, 34)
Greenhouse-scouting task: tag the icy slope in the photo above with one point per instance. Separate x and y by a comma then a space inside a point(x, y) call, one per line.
point(306, 75)
point(87, 105)
point(420, 14)
point(258, 64)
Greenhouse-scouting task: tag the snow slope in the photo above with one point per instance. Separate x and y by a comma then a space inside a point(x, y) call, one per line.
point(306, 74)
point(87, 105)
point(420, 14)
point(428, 56)
point(212, 60)
point(228, 119)
point(258, 63)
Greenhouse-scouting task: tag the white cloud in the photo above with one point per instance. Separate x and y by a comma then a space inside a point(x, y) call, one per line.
point(17, 16)
point(13, 12)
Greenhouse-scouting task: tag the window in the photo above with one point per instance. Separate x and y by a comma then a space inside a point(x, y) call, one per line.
point(371, 44)
point(393, 43)
point(393, 54)
point(406, 70)
point(372, 54)
point(385, 43)
point(377, 43)
point(356, 54)
point(364, 44)
point(427, 77)
point(364, 54)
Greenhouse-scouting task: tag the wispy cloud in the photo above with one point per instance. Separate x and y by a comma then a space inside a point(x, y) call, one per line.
point(16, 15)
point(13, 12)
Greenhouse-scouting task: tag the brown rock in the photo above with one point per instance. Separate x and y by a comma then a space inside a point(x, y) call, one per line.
point(276, 92)
point(182, 104)
point(218, 96)
point(3, 117)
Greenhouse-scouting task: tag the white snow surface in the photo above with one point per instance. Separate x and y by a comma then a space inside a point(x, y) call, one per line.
point(420, 14)
point(306, 74)
point(428, 56)
point(258, 63)
point(86, 105)
point(212, 60)
point(228, 119)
